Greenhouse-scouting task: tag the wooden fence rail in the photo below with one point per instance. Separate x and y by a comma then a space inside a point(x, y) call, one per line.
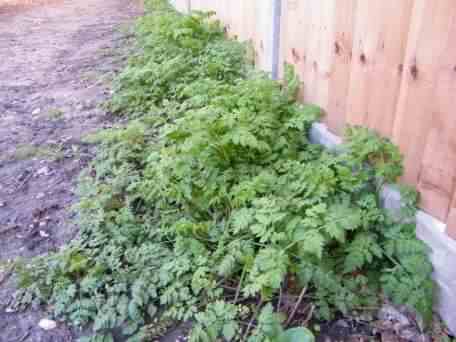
point(386, 64)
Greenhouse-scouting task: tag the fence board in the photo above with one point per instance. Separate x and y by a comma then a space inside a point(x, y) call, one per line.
point(293, 35)
point(248, 21)
point(341, 65)
point(317, 39)
point(323, 63)
point(302, 40)
point(425, 112)
point(376, 70)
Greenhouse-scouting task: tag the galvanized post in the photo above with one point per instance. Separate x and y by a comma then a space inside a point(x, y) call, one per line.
point(276, 22)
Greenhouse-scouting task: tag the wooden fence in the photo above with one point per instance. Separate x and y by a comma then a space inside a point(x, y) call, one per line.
point(386, 64)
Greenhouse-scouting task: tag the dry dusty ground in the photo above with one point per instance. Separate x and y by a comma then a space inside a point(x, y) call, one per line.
point(55, 59)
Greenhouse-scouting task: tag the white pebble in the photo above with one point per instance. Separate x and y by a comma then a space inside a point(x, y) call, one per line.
point(47, 324)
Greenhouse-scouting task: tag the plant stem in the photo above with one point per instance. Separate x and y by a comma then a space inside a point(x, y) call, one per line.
point(254, 316)
point(238, 290)
point(293, 313)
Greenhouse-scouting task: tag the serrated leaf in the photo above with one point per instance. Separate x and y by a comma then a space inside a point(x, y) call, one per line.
point(311, 241)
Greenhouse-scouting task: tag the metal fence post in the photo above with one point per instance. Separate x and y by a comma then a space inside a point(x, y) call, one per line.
point(276, 22)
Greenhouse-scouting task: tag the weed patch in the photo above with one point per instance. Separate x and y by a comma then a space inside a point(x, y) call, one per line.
point(28, 151)
point(211, 206)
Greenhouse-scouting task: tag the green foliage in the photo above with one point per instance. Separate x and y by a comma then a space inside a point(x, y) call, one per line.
point(212, 186)
point(270, 329)
point(378, 152)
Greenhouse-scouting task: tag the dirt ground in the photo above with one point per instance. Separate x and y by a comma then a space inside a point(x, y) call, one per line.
point(56, 60)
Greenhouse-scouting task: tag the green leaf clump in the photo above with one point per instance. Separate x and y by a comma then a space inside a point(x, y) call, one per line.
point(210, 205)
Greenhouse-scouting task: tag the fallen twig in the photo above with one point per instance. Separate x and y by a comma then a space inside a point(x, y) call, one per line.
point(279, 303)
point(7, 274)
point(238, 290)
point(254, 316)
point(309, 315)
point(23, 338)
point(300, 298)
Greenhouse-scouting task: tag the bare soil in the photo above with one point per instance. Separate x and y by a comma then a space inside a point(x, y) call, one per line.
point(56, 60)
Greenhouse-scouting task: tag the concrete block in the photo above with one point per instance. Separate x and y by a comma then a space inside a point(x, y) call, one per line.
point(443, 257)
point(320, 134)
point(391, 199)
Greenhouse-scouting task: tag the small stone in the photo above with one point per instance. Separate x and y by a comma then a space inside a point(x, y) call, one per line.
point(47, 324)
point(43, 171)
point(42, 224)
point(342, 323)
point(410, 334)
point(40, 195)
point(44, 234)
point(36, 111)
point(2, 204)
point(390, 313)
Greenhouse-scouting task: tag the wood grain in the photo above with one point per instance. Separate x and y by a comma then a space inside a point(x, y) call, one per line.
point(379, 48)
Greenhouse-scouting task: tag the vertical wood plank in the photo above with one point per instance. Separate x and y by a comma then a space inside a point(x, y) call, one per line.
point(425, 120)
point(342, 49)
point(324, 61)
point(300, 41)
point(294, 16)
point(379, 49)
point(438, 167)
point(262, 11)
point(317, 40)
point(310, 53)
